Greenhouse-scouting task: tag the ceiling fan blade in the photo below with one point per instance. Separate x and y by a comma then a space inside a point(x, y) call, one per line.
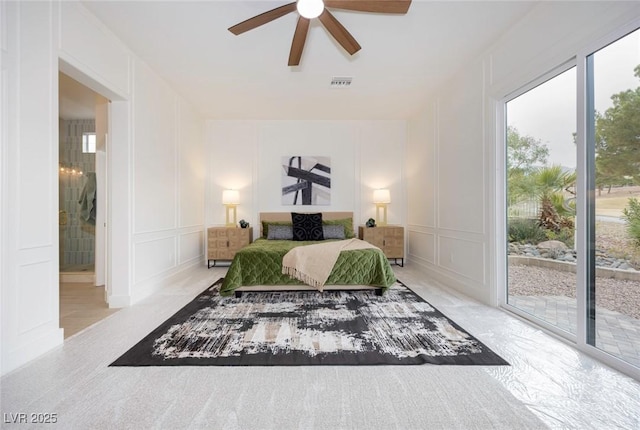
point(380, 6)
point(342, 36)
point(263, 18)
point(299, 37)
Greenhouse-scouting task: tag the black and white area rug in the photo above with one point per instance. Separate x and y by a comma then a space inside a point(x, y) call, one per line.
point(299, 328)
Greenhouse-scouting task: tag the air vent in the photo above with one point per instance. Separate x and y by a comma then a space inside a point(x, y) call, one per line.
point(344, 82)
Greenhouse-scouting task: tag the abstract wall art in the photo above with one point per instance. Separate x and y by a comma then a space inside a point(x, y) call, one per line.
point(306, 180)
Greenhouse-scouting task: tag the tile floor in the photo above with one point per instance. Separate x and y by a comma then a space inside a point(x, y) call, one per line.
point(617, 334)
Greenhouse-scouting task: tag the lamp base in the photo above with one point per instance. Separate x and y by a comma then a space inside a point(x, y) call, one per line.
point(231, 208)
point(383, 207)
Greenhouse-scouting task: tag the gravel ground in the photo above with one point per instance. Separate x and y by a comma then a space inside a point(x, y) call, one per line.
point(612, 294)
point(613, 238)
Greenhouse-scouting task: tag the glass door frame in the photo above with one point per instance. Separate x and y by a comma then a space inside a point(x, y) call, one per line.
point(584, 340)
point(502, 235)
point(586, 226)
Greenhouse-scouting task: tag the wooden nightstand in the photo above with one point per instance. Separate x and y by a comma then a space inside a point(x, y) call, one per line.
point(389, 238)
point(224, 242)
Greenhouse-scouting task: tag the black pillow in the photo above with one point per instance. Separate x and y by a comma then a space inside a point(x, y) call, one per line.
point(307, 226)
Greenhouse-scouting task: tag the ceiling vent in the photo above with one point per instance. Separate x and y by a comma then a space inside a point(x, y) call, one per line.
point(343, 82)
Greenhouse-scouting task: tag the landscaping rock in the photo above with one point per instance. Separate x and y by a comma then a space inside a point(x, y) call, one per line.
point(553, 251)
point(552, 244)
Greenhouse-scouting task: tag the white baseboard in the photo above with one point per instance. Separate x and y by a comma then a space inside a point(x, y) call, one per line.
point(13, 359)
point(144, 289)
point(449, 280)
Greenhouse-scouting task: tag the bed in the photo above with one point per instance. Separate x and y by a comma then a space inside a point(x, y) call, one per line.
point(258, 266)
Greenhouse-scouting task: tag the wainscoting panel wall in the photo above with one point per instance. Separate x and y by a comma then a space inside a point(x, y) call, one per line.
point(190, 245)
point(445, 157)
point(383, 140)
point(460, 150)
point(34, 314)
point(192, 171)
point(149, 174)
point(29, 184)
point(421, 245)
point(456, 137)
point(154, 157)
point(247, 156)
point(232, 164)
point(154, 254)
point(167, 141)
point(463, 257)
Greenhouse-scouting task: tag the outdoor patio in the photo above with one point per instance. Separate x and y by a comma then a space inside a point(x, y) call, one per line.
point(617, 334)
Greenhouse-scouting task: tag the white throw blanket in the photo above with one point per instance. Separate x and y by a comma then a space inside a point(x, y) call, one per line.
point(312, 264)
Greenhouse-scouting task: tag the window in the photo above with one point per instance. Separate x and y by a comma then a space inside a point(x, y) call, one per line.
point(88, 142)
point(541, 175)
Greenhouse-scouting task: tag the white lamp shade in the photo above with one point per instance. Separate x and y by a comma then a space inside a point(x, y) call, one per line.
point(230, 197)
point(310, 8)
point(381, 196)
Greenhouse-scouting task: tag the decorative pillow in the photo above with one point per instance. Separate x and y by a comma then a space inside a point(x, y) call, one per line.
point(346, 222)
point(333, 231)
point(280, 232)
point(307, 226)
point(266, 224)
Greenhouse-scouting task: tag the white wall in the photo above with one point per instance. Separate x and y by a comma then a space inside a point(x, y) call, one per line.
point(452, 143)
point(246, 155)
point(168, 184)
point(155, 221)
point(29, 157)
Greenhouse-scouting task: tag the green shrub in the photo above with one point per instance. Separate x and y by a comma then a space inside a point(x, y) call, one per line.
point(632, 215)
point(525, 230)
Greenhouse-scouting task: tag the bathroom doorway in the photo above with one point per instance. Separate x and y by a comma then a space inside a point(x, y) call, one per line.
point(83, 126)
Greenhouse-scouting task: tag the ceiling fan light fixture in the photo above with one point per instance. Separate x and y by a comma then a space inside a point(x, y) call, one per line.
point(310, 8)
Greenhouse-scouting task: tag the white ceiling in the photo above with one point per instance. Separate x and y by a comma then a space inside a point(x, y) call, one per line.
point(403, 57)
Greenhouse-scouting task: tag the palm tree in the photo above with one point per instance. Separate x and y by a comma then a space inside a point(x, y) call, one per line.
point(550, 183)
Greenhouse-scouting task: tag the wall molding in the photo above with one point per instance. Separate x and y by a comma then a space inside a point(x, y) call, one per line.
point(411, 246)
point(415, 227)
point(442, 265)
point(470, 289)
point(172, 241)
point(13, 358)
point(162, 280)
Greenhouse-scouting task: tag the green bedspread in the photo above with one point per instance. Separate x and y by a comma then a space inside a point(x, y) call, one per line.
point(260, 263)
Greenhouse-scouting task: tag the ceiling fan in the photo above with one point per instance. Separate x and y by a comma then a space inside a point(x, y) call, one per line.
point(309, 9)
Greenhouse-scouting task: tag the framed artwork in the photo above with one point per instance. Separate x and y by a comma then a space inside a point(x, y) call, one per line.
point(306, 180)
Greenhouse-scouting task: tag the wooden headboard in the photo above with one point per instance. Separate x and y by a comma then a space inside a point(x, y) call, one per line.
point(286, 216)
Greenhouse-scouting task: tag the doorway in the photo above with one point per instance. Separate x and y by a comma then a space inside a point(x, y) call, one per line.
point(573, 201)
point(83, 124)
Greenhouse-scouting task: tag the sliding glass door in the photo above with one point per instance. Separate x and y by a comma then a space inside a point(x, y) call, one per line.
point(562, 186)
point(541, 176)
point(613, 131)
